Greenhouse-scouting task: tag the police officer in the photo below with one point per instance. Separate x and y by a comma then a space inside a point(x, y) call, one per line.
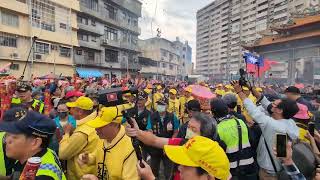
point(24, 98)
point(162, 124)
point(6, 164)
point(29, 137)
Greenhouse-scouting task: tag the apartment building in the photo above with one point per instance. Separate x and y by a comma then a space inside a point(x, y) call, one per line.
point(185, 53)
point(223, 26)
point(161, 59)
point(108, 37)
point(54, 24)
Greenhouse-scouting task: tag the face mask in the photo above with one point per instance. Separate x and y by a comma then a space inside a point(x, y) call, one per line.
point(63, 114)
point(190, 134)
point(269, 109)
point(161, 108)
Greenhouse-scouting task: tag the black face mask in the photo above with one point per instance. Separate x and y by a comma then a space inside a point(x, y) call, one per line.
point(269, 109)
point(63, 114)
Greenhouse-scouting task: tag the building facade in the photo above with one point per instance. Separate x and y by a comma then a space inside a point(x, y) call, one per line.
point(296, 48)
point(162, 59)
point(185, 53)
point(51, 24)
point(223, 26)
point(108, 36)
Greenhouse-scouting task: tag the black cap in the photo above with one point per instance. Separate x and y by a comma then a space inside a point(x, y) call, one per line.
point(31, 123)
point(219, 108)
point(162, 101)
point(142, 95)
point(14, 114)
point(292, 89)
point(193, 105)
point(24, 86)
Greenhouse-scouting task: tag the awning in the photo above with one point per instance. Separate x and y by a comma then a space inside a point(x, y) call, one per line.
point(86, 73)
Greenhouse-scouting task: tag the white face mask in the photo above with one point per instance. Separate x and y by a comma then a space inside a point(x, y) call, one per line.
point(161, 108)
point(190, 134)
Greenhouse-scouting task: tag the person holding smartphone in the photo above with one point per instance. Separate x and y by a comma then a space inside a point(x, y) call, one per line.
point(279, 120)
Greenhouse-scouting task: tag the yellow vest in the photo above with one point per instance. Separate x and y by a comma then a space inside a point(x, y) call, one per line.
point(49, 166)
point(174, 106)
point(2, 161)
point(74, 171)
point(120, 160)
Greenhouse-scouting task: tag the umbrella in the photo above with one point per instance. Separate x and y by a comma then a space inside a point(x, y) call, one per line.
point(299, 85)
point(202, 92)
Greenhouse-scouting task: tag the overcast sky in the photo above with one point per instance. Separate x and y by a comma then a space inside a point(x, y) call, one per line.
point(173, 17)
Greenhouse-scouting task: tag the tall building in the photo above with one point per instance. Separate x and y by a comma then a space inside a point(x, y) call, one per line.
point(108, 36)
point(162, 59)
point(185, 53)
point(223, 26)
point(52, 22)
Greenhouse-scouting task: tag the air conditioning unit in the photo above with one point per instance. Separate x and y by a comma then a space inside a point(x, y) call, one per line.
point(106, 41)
point(54, 47)
point(15, 55)
point(38, 57)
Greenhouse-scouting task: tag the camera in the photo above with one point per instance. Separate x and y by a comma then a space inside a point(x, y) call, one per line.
point(242, 80)
point(113, 96)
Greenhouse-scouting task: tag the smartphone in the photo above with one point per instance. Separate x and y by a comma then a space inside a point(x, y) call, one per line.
point(282, 141)
point(311, 127)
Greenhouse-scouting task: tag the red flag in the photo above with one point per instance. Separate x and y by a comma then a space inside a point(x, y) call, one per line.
point(252, 68)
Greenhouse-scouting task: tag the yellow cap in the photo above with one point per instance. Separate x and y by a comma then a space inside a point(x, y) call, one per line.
point(201, 152)
point(148, 91)
point(245, 88)
point(188, 89)
point(82, 102)
point(219, 92)
point(228, 86)
point(219, 85)
point(259, 89)
point(173, 91)
point(159, 87)
point(106, 116)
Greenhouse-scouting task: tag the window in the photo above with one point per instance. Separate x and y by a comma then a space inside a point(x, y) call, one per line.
point(94, 38)
point(112, 12)
point(65, 52)
point(90, 56)
point(8, 40)
point(164, 65)
point(83, 37)
point(171, 66)
point(42, 48)
point(170, 57)
point(163, 53)
point(111, 33)
point(9, 19)
point(111, 55)
point(63, 26)
point(93, 22)
point(91, 4)
point(82, 20)
point(43, 15)
point(14, 66)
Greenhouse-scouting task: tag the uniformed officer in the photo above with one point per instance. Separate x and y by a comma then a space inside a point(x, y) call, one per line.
point(24, 98)
point(29, 137)
point(162, 124)
point(6, 164)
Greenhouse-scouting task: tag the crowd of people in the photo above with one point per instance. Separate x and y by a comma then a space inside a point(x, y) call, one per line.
point(180, 134)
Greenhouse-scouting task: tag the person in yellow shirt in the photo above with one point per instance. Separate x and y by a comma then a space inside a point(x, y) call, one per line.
point(83, 139)
point(187, 96)
point(229, 89)
point(115, 158)
point(173, 102)
point(219, 90)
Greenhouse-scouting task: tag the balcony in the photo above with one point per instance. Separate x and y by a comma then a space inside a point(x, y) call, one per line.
point(131, 65)
point(133, 6)
point(90, 28)
point(96, 14)
point(126, 45)
point(90, 44)
point(15, 6)
point(108, 42)
point(265, 6)
point(264, 13)
point(85, 60)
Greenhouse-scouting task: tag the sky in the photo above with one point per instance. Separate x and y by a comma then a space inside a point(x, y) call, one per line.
point(173, 17)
